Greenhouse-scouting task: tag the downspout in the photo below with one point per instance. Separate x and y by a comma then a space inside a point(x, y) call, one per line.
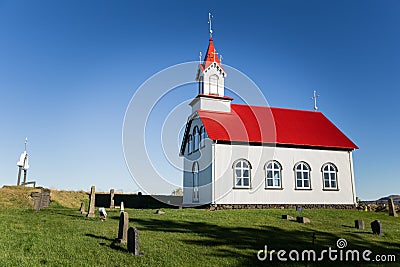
point(352, 178)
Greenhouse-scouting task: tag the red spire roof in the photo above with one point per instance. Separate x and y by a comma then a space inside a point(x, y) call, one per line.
point(211, 55)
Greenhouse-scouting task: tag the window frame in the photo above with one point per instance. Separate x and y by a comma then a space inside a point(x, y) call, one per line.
point(196, 139)
point(190, 144)
point(202, 137)
point(242, 170)
point(195, 173)
point(279, 170)
point(335, 172)
point(303, 163)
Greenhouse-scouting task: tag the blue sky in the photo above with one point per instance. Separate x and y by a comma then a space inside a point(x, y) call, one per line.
point(68, 70)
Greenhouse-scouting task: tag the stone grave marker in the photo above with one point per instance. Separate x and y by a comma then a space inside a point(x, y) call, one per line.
point(299, 209)
point(112, 205)
point(82, 208)
point(303, 220)
point(392, 209)
point(103, 214)
point(41, 199)
point(376, 227)
point(123, 227)
point(359, 224)
point(91, 202)
point(122, 207)
point(133, 241)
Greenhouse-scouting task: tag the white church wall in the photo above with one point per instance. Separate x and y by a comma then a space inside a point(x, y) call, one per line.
point(210, 103)
point(214, 86)
point(225, 155)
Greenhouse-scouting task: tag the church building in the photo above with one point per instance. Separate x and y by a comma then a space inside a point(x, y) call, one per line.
point(243, 156)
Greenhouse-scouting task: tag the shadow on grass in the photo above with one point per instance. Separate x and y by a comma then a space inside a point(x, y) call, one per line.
point(243, 243)
point(114, 242)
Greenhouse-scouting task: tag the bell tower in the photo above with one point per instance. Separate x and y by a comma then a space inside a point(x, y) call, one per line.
point(211, 81)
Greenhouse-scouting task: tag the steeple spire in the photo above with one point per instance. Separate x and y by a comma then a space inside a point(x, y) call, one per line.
point(209, 22)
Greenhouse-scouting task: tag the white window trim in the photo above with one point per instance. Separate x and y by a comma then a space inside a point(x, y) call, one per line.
point(234, 174)
point(273, 179)
point(302, 176)
point(329, 172)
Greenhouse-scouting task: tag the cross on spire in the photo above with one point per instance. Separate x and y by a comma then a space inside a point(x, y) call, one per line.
point(209, 22)
point(315, 100)
point(26, 141)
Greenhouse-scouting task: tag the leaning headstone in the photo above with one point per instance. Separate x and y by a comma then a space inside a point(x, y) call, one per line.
point(123, 227)
point(392, 210)
point(359, 224)
point(91, 202)
point(303, 220)
point(376, 227)
point(112, 199)
point(133, 241)
point(122, 207)
point(45, 198)
point(36, 196)
point(287, 217)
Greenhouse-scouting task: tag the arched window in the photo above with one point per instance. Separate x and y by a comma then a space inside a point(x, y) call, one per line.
point(302, 172)
point(196, 138)
point(214, 84)
point(202, 136)
point(273, 174)
point(190, 144)
point(241, 173)
point(195, 171)
point(329, 174)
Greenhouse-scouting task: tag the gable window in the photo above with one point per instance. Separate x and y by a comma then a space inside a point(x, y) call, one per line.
point(196, 138)
point(329, 174)
point(202, 136)
point(273, 174)
point(214, 84)
point(190, 144)
point(241, 173)
point(302, 174)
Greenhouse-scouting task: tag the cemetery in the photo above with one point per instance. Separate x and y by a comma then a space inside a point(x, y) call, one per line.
point(66, 235)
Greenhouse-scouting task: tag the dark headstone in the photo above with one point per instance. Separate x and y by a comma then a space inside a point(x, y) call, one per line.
point(45, 198)
point(133, 241)
point(159, 212)
point(376, 227)
point(359, 224)
point(123, 227)
point(91, 202)
point(392, 210)
point(287, 217)
point(82, 208)
point(303, 220)
point(36, 200)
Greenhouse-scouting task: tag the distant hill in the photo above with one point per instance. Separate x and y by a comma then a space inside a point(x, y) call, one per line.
point(20, 197)
point(396, 198)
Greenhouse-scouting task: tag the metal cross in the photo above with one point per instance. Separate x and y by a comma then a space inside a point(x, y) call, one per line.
point(315, 100)
point(209, 22)
point(26, 141)
point(215, 54)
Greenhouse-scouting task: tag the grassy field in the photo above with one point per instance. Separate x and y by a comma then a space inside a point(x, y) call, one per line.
point(60, 236)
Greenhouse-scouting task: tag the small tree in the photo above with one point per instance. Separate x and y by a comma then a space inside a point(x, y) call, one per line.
point(177, 192)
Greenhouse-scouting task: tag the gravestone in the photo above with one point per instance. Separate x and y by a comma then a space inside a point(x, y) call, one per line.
point(91, 202)
point(159, 212)
point(123, 227)
point(359, 224)
point(122, 207)
point(82, 208)
point(376, 227)
point(133, 241)
point(303, 220)
point(41, 199)
point(392, 210)
point(299, 209)
point(112, 199)
point(287, 217)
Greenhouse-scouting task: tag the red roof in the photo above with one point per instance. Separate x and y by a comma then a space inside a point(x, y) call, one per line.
point(211, 55)
point(274, 125)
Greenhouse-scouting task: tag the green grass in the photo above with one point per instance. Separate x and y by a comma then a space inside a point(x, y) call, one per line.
point(188, 237)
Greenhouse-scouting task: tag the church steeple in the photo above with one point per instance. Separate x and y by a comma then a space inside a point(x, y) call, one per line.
point(211, 81)
point(211, 74)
